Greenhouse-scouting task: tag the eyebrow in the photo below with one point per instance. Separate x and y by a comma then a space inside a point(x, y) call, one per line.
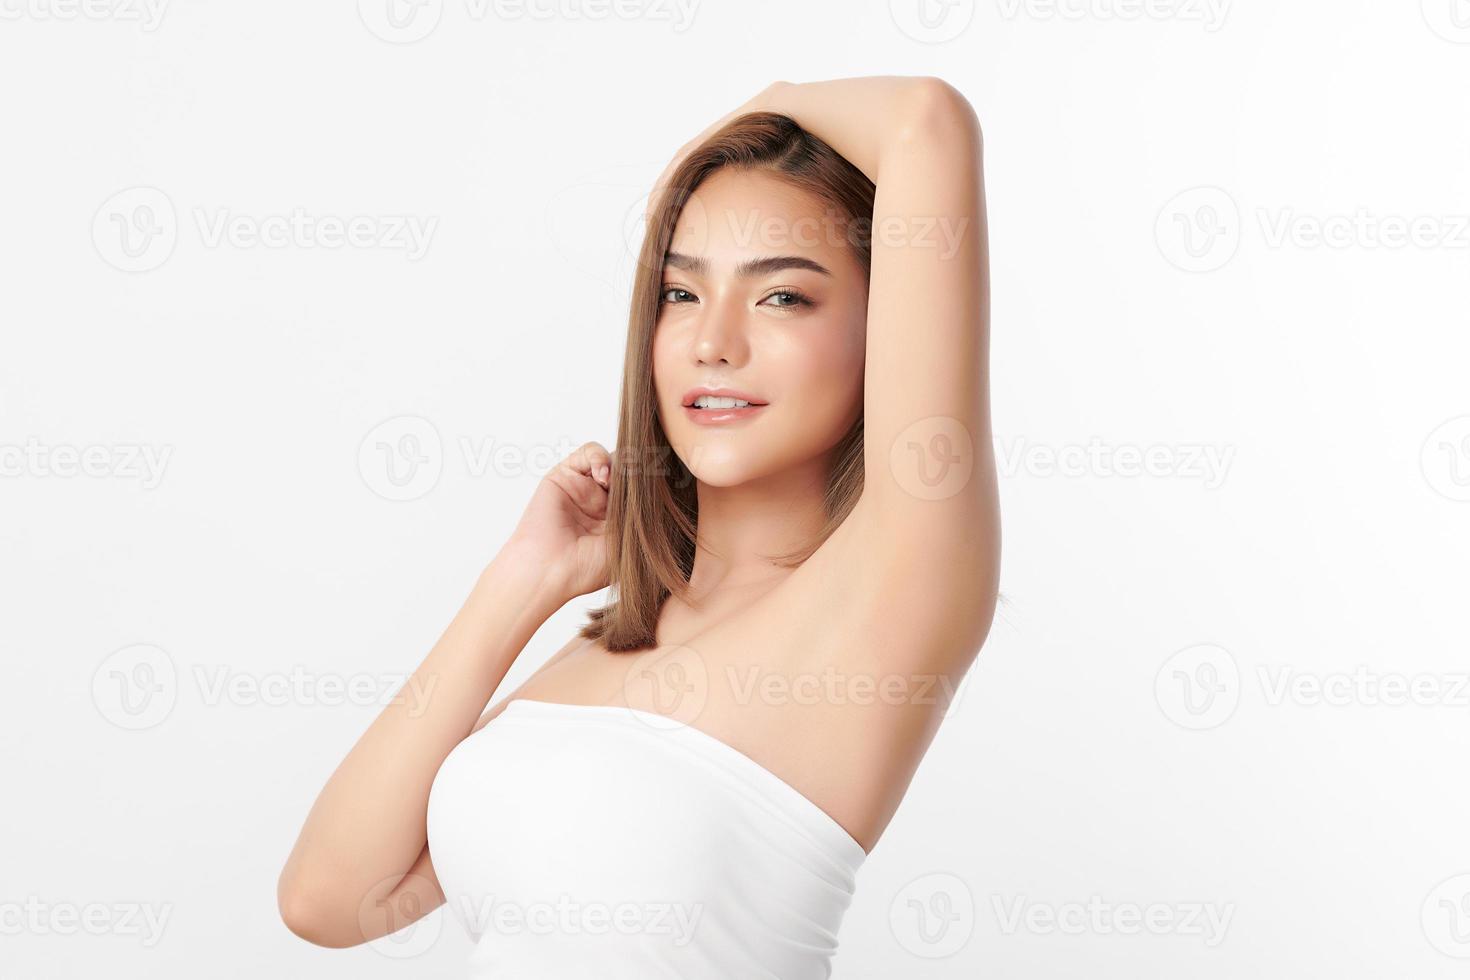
point(750, 268)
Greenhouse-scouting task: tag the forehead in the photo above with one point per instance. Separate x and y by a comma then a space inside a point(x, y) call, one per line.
point(735, 214)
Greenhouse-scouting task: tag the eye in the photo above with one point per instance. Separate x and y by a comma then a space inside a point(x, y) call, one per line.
point(788, 299)
point(679, 295)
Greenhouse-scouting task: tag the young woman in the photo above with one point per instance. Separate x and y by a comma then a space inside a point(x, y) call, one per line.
point(801, 528)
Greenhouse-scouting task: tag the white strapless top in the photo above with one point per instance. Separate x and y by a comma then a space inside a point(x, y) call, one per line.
point(598, 841)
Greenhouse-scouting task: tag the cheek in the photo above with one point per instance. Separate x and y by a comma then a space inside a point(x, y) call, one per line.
point(825, 375)
point(661, 357)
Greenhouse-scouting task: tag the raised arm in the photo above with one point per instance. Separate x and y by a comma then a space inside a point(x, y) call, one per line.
point(929, 511)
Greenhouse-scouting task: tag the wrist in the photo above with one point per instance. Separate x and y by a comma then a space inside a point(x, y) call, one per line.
point(527, 573)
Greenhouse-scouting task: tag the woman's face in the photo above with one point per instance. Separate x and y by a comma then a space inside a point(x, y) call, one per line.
point(762, 295)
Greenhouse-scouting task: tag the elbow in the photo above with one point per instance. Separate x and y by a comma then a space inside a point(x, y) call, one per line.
point(310, 916)
point(935, 109)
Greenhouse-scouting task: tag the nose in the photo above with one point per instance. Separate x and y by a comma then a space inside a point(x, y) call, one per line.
point(720, 335)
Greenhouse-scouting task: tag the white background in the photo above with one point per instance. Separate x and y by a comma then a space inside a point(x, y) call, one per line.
point(1088, 760)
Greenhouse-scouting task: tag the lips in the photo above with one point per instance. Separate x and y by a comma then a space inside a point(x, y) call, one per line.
point(720, 416)
point(745, 396)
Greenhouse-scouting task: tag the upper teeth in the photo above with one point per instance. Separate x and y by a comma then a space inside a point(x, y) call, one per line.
point(711, 401)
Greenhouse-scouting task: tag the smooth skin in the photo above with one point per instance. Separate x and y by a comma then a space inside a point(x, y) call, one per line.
point(834, 675)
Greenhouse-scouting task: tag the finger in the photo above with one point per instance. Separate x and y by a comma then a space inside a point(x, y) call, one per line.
point(587, 495)
point(591, 460)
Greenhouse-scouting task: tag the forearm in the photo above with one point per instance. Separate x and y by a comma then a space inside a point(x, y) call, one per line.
point(367, 824)
point(866, 119)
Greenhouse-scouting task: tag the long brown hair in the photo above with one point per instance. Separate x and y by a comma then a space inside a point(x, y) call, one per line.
point(653, 508)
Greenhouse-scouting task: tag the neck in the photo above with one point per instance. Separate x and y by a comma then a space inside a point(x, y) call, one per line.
point(740, 525)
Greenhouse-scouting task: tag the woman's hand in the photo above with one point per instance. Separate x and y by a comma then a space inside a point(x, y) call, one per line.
point(762, 101)
point(564, 527)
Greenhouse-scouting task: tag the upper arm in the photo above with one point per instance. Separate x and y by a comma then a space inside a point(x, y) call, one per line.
point(929, 502)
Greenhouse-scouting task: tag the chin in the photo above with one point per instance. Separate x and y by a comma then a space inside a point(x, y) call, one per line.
point(722, 466)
